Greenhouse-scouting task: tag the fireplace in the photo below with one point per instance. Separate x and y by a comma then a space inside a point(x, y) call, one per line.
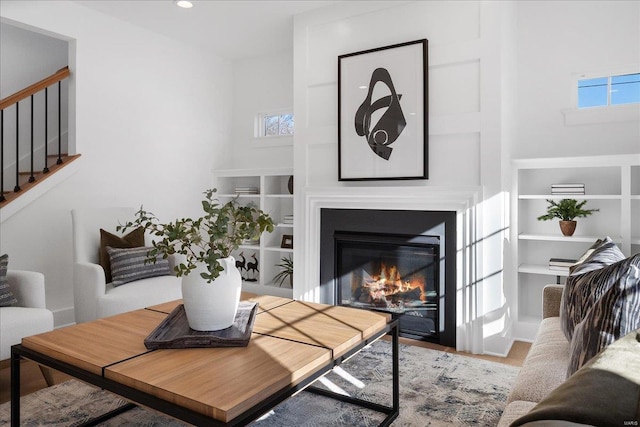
point(400, 262)
point(398, 274)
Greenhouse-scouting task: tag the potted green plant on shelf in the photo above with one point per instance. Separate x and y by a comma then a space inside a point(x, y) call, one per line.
point(204, 245)
point(286, 271)
point(566, 210)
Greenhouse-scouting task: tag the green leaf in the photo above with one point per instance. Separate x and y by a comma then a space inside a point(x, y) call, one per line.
point(206, 239)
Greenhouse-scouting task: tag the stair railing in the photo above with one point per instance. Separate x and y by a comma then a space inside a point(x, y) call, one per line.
point(15, 99)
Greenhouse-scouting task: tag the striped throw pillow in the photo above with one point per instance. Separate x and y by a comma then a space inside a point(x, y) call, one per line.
point(6, 296)
point(587, 283)
point(130, 264)
point(614, 315)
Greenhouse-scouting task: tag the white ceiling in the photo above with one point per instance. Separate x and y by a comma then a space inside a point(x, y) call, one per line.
point(233, 29)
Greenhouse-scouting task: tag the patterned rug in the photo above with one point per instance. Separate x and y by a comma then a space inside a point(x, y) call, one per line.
point(436, 389)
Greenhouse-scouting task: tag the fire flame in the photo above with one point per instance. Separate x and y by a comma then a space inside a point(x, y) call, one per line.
point(389, 283)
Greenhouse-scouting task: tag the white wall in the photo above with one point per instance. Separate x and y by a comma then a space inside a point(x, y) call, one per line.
point(152, 117)
point(453, 30)
point(500, 80)
point(27, 57)
point(466, 67)
point(261, 85)
point(556, 41)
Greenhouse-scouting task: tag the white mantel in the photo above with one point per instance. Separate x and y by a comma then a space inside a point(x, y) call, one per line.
point(462, 200)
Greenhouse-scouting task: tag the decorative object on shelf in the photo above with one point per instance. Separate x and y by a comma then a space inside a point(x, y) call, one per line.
point(206, 244)
point(287, 219)
point(252, 270)
point(287, 241)
point(247, 190)
point(561, 264)
point(241, 263)
point(290, 184)
point(286, 271)
point(394, 145)
point(566, 210)
point(577, 189)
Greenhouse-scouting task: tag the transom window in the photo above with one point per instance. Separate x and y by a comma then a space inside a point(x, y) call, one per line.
point(609, 90)
point(275, 124)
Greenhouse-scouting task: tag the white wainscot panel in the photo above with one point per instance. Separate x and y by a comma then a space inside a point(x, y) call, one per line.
point(454, 88)
point(454, 159)
point(439, 22)
point(322, 105)
point(322, 163)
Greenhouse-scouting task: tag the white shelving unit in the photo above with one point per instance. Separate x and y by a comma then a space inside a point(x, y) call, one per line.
point(274, 198)
point(612, 185)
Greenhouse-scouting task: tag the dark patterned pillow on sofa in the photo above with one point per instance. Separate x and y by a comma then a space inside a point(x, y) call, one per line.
point(6, 296)
point(134, 239)
point(130, 264)
point(586, 283)
point(602, 253)
point(614, 315)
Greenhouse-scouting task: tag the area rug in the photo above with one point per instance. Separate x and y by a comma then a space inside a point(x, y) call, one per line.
point(436, 389)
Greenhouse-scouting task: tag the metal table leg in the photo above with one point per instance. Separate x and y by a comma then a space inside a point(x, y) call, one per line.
point(15, 388)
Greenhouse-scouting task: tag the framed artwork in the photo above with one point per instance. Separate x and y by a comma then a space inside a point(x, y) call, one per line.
point(287, 241)
point(382, 113)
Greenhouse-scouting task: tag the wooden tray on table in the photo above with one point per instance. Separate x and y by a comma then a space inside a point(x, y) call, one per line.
point(174, 331)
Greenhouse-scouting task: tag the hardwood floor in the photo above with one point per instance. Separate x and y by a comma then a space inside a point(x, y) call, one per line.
point(32, 379)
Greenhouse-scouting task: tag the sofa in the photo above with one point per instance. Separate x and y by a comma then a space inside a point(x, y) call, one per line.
point(583, 368)
point(545, 366)
point(27, 315)
point(96, 293)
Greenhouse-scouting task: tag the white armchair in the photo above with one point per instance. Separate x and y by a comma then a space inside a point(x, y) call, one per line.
point(28, 316)
point(93, 297)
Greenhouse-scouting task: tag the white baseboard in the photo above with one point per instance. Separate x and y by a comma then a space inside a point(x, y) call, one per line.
point(64, 317)
point(506, 343)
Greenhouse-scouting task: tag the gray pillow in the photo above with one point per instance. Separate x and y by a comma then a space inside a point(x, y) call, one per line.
point(130, 264)
point(6, 296)
point(586, 283)
point(614, 315)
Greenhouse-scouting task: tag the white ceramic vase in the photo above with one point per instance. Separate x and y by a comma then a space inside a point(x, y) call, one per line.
point(212, 306)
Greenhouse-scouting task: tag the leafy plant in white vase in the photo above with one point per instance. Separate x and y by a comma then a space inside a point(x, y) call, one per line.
point(211, 295)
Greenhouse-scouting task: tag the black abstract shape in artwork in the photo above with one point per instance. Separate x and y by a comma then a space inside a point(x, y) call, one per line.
point(392, 122)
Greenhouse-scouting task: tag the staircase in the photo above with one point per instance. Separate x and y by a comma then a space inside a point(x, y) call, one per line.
point(25, 145)
point(26, 184)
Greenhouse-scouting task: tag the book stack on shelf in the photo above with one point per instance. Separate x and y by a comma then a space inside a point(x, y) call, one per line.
point(561, 264)
point(287, 220)
point(567, 189)
point(247, 190)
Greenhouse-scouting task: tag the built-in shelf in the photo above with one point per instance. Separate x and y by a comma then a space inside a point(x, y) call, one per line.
point(612, 185)
point(274, 198)
point(541, 269)
point(560, 238)
point(570, 196)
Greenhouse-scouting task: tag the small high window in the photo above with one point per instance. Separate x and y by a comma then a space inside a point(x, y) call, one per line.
point(274, 124)
point(609, 90)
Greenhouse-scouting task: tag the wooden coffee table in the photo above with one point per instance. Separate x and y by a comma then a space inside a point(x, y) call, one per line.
point(293, 343)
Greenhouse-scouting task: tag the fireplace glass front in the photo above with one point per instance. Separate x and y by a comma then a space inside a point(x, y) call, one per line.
point(393, 273)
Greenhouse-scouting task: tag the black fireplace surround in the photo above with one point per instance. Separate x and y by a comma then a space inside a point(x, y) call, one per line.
point(361, 249)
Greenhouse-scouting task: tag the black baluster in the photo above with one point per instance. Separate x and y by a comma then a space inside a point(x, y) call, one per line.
point(59, 162)
point(31, 177)
point(46, 131)
point(17, 187)
point(2, 199)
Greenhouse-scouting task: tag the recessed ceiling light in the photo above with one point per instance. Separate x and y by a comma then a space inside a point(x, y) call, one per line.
point(185, 4)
